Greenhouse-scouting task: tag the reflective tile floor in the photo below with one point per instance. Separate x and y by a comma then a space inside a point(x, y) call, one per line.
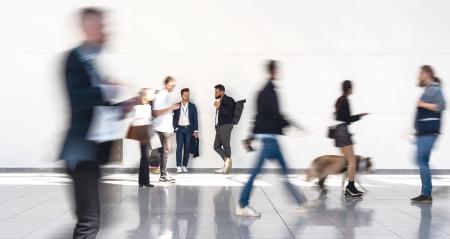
point(202, 206)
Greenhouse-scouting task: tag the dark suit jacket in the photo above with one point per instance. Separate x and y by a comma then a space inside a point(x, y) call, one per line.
point(268, 118)
point(192, 114)
point(226, 111)
point(82, 97)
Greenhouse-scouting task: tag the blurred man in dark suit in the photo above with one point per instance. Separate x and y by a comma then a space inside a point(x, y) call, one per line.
point(83, 88)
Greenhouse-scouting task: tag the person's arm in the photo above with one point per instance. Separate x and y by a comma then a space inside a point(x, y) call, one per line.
point(195, 118)
point(438, 102)
point(347, 117)
point(175, 119)
point(160, 112)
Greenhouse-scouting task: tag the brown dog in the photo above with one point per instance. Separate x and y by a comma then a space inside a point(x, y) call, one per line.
point(326, 165)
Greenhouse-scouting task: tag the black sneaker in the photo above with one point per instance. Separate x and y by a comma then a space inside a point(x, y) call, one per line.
point(352, 192)
point(422, 199)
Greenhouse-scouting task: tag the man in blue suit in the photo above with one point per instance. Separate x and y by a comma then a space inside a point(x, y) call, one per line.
point(185, 123)
point(82, 82)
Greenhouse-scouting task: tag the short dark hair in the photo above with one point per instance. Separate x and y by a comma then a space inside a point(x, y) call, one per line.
point(346, 86)
point(90, 11)
point(168, 80)
point(184, 90)
point(271, 65)
point(220, 87)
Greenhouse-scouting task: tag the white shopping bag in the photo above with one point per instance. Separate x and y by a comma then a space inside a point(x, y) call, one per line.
point(108, 123)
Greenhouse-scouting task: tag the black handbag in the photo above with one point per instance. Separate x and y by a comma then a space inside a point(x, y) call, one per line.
point(332, 132)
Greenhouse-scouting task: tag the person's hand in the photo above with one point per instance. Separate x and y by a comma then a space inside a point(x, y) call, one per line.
point(175, 106)
point(195, 134)
point(217, 104)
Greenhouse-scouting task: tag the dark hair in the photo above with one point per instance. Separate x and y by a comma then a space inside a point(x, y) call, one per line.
point(220, 87)
point(271, 66)
point(184, 90)
point(168, 80)
point(428, 69)
point(346, 86)
point(90, 11)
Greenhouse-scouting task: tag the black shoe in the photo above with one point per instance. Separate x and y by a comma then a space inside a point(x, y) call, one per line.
point(351, 192)
point(422, 199)
point(166, 179)
point(148, 185)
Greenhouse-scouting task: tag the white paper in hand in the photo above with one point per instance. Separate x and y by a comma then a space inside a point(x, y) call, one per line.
point(107, 124)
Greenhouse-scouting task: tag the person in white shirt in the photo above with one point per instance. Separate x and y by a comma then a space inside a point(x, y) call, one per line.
point(185, 123)
point(162, 123)
point(139, 130)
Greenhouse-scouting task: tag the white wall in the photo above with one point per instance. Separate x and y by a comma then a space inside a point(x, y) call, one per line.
point(379, 44)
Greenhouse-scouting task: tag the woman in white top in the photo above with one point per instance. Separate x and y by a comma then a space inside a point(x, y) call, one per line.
point(139, 130)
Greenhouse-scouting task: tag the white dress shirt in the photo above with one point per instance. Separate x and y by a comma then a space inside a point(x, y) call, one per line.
point(184, 115)
point(163, 123)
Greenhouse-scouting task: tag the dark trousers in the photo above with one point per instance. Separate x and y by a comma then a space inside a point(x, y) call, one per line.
point(165, 142)
point(85, 182)
point(143, 166)
point(184, 135)
point(222, 141)
point(270, 150)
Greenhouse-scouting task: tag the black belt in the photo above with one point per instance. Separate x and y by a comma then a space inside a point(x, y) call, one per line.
point(185, 126)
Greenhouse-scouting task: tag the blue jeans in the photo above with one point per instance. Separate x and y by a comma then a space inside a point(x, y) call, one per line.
point(184, 135)
point(424, 146)
point(270, 150)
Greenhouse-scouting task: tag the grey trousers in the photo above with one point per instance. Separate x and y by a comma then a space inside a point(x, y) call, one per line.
point(165, 142)
point(222, 140)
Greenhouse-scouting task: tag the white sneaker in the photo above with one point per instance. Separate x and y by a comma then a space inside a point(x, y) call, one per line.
point(247, 212)
point(228, 165)
point(220, 170)
point(184, 169)
point(179, 170)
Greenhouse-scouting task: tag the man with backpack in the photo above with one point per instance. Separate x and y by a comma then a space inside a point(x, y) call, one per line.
point(224, 122)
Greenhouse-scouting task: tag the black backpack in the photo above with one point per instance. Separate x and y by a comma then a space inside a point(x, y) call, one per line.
point(238, 108)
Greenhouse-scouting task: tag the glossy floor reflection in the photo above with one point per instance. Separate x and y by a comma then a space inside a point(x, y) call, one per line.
point(202, 206)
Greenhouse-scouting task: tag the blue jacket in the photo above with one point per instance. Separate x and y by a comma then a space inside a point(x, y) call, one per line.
point(192, 114)
point(427, 121)
point(83, 97)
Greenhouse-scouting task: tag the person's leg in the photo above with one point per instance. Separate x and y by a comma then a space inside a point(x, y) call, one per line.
point(85, 182)
point(247, 190)
point(165, 141)
point(348, 153)
point(144, 178)
point(180, 141)
point(187, 146)
point(276, 154)
point(424, 147)
point(218, 144)
point(225, 137)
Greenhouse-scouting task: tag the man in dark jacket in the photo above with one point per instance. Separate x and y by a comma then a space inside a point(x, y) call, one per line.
point(185, 124)
point(269, 123)
point(224, 125)
point(83, 88)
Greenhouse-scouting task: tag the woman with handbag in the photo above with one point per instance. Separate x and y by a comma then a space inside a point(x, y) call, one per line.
point(343, 138)
point(140, 131)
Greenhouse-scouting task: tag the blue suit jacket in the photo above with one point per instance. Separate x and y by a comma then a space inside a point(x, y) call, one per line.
point(193, 117)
